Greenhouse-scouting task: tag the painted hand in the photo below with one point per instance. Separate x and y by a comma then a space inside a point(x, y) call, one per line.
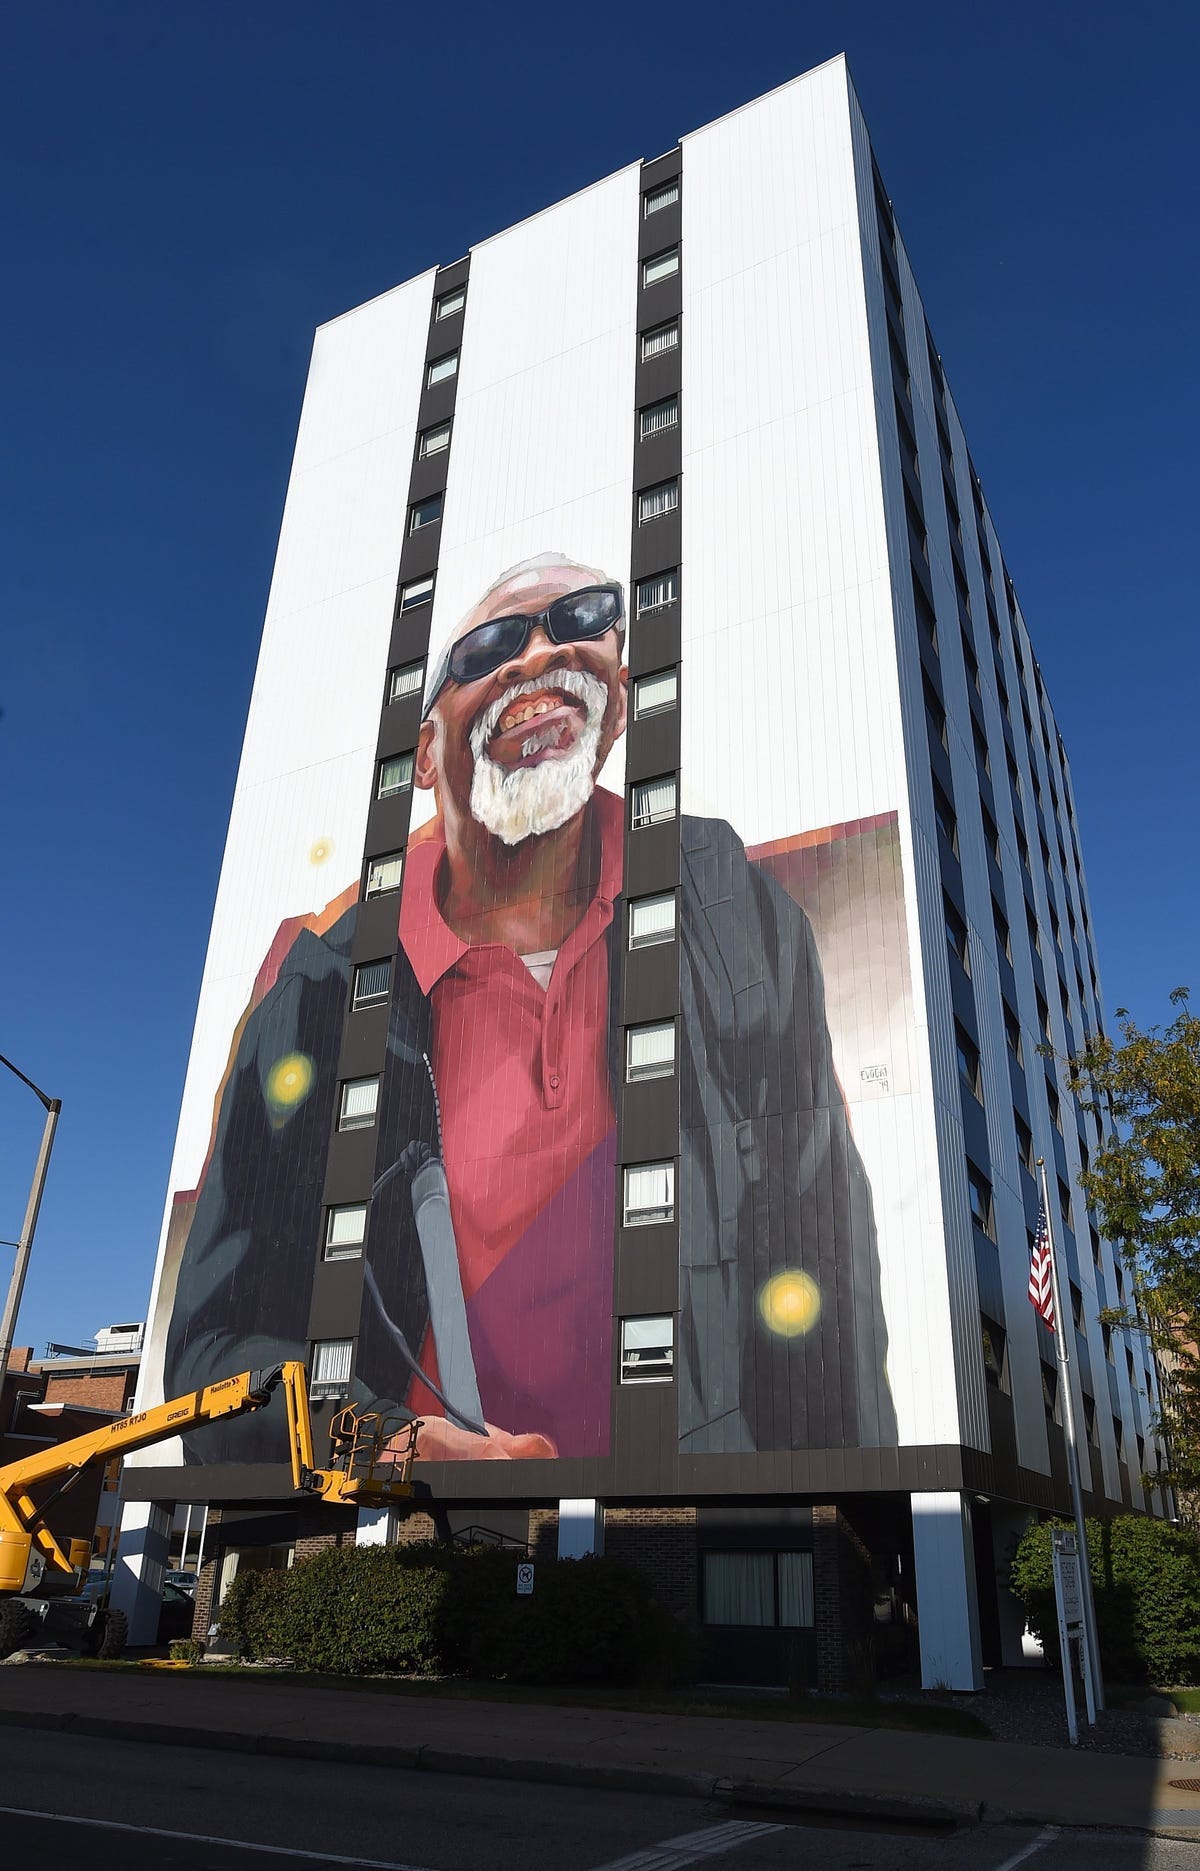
point(442, 1441)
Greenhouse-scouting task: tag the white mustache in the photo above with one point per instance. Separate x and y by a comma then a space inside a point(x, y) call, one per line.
point(574, 682)
point(526, 802)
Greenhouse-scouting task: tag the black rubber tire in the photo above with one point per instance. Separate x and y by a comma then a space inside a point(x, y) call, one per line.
point(18, 1626)
point(116, 1635)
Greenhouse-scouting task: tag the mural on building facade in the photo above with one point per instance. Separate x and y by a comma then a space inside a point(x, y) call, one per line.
point(487, 1253)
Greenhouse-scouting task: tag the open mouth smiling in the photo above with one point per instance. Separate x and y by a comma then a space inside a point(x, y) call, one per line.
point(538, 725)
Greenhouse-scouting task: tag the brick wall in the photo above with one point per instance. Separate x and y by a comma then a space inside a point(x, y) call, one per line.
point(416, 1529)
point(543, 1533)
point(206, 1585)
point(842, 1603)
point(659, 1542)
point(105, 1390)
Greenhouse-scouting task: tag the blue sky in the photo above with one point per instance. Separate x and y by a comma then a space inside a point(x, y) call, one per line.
point(191, 190)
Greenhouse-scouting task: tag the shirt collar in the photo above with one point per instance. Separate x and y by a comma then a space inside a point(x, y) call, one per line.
point(429, 942)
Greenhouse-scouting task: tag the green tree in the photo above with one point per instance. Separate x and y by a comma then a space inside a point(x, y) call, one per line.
point(1144, 1183)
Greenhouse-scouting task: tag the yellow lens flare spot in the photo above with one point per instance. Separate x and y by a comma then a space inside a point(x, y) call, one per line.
point(290, 1080)
point(319, 852)
point(789, 1303)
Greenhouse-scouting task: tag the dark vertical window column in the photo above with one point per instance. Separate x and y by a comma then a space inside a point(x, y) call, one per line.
point(350, 1166)
point(647, 1263)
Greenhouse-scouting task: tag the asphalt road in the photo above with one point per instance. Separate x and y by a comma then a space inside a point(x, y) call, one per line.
point(67, 1799)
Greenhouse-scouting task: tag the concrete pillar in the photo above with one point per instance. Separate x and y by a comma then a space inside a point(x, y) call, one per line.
point(137, 1579)
point(580, 1529)
point(947, 1606)
point(376, 1526)
point(1008, 1524)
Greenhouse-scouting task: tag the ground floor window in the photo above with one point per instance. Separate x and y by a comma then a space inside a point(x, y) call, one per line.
point(758, 1589)
point(237, 1559)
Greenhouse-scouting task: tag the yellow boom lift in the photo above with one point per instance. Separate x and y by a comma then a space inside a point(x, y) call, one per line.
point(41, 1584)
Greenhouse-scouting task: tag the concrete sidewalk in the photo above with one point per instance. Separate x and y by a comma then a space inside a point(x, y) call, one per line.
point(934, 1778)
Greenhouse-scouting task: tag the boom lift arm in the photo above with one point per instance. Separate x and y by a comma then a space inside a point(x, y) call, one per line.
point(364, 1471)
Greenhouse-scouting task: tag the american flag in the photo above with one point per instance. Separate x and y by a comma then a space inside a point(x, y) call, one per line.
point(1041, 1284)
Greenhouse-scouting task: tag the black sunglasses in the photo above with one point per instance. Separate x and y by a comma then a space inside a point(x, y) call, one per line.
point(578, 617)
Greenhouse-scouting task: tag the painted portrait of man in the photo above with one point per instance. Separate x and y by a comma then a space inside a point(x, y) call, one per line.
point(487, 1303)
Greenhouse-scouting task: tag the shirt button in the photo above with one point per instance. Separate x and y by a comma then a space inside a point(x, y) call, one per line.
point(554, 1082)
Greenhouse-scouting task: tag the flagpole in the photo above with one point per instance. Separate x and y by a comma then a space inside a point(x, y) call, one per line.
point(1063, 1320)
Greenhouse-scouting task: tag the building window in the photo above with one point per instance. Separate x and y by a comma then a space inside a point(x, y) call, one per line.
point(434, 441)
point(1003, 932)
point(650, 1050)
point(331, 1362)
point(651, 920)
point(979, 742)
point(660, 338)
point(384, 874)
point(759, 1589)
point(956, 934)
point(419, 592)
point(648, 1350)
point(654, 801)
point(943, 813)
point(424, 513)
point(654, 594)
point(649, 1193)
point(408, 679)
point(991, 834)
point(653, 502)
point(652, 695)
point(450, 302)
point(442, 369)
point(994, 1341)
point(656, 198)
point(1014, 778)
point(1024, 1143)
point(395, 775)
point(372, 983)
point(659, 416)
point(935, 713)
point(972, 663)
point(660, 266)
point(968, 1059)
point(926, 615)
point(980, 1191)
point(345, 1230)
point(360, 1102)
point(1050, 1392)
point(1012, 1033)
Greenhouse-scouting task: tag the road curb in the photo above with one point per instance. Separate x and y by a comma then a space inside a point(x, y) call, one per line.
point(909, 1808)
point(832, 1802)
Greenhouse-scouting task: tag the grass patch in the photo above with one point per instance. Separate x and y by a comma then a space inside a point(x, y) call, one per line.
point(1185, 1700)
point(863, 1712)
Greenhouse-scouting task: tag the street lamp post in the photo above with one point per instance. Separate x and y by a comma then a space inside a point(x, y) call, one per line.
point(16, 1285)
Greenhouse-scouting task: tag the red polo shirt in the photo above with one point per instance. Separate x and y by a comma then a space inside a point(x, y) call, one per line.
point(528, 1134)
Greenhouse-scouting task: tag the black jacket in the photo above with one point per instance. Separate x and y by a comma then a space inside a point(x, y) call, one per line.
point(769, 1180)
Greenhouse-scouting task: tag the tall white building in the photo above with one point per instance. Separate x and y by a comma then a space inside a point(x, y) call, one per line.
point(652, 874)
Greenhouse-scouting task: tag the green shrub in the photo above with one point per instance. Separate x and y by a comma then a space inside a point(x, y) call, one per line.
point(446, 1610)
point(1146, 1583)
point(186, 1650)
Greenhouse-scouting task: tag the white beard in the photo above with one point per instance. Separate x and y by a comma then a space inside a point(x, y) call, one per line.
point(515, 803)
